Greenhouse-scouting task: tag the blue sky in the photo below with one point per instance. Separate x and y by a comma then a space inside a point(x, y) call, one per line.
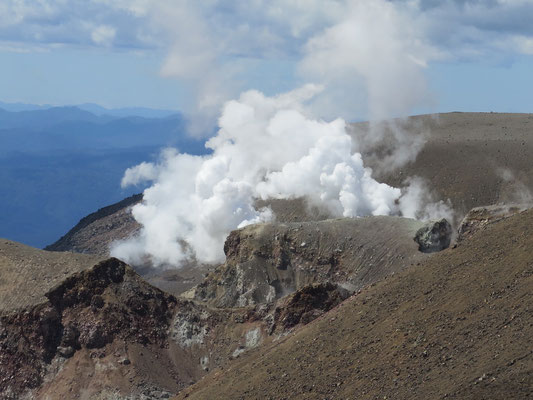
point(370, 55)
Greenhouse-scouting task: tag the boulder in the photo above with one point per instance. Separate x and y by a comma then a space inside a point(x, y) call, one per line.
point(434, 236)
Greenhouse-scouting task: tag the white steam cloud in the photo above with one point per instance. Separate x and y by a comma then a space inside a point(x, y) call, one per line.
point(267, 147)
point(370, 56)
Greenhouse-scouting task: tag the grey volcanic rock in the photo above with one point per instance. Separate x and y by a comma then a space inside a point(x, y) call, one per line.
point(265, 262)
point(458, 326)
point(434, 236)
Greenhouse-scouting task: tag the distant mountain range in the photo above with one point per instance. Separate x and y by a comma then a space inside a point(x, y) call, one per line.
point(95, 109)
point(59, 163)
point(62, 128)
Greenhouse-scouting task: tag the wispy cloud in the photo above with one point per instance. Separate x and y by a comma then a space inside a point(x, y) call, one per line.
point(103, 35)
point(258, 28)
point(208, 43)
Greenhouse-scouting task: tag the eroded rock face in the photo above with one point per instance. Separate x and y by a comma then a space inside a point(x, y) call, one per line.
point(75, 325)
point(434, 236)
point(266, 262)
point(307, 304)
point(88, 310)
point(478, 218)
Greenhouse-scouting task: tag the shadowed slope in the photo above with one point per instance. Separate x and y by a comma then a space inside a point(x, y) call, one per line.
point(95, 232)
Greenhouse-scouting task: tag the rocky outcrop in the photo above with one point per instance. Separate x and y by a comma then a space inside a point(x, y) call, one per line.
point(95, 232)
point(87, 310)
point(434, 236)
point(266, 262)
point(77, 325)
point(306, 305)
point(478, 218)
point(458, 326)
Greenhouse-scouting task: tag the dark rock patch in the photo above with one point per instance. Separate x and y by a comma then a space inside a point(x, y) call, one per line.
point(434, 236)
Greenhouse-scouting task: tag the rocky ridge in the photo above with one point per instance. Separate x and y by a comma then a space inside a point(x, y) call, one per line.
point(480, 217)
point(96, 328)
point(265, 262)
point(94, 233)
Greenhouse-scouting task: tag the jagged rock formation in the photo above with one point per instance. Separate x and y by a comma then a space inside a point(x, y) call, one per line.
point(306, 305)
point(268, 261)
point(83, 305)
point(76, 325)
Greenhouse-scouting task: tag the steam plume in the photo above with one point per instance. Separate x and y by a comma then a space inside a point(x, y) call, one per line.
point(266, 147)
point(276, 147)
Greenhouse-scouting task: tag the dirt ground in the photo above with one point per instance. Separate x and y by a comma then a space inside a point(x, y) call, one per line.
point(27, 274)
point(473, 159)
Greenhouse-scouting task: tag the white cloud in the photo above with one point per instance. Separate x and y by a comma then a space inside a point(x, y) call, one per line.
point(138, 8)
point(378, 45)
point(139, 174)
point(262, 27)
point(524, 44)
point(103, 35)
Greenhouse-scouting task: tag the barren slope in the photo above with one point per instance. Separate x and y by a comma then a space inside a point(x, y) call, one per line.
point(473, 159)
point(27, 274)
point(95, 232)
point(457, 326)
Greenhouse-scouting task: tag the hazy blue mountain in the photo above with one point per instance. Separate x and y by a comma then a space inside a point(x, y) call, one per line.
point(61, 163)
point(45, 118)
point(71, 128)
point(22, 106)
point(127, 111)
point(95, 109)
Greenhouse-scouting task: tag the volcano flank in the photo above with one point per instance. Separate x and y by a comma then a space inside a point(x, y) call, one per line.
point(305, 305)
